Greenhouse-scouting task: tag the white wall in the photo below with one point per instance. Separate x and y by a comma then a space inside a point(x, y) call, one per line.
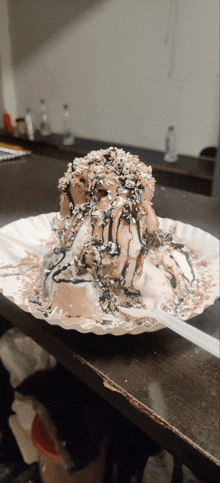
point(127, 68)
point(7, 89)
point(1, 99)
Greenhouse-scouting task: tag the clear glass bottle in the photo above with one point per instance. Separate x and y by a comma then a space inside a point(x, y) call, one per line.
point(29, 124)
point(170, 155)
point(67, 134)
point(44, 123)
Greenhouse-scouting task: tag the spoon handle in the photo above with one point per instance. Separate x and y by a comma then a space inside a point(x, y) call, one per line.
point(198, 337)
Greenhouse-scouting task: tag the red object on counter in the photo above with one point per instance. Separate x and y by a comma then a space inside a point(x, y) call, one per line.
point(8, 128)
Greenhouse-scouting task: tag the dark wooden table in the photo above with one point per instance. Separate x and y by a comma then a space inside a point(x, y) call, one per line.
point(161, 382)
point(189, 173)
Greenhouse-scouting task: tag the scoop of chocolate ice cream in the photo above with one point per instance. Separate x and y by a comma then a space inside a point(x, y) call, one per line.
point(110, 246)
point(108, 191)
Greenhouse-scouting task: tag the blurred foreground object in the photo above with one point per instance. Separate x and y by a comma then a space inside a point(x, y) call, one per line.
point(10, 151)
point(21, 356)
point(51, 465)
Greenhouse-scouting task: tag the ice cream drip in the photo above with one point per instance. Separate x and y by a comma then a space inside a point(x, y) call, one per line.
point(109, 237)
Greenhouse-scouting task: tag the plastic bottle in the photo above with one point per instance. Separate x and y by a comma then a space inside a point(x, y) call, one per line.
point(44, 123)
point(29, 124)
point(21, 127)
point(8, 128)
point(51, 465)
point(67, 134)
point(170, 155)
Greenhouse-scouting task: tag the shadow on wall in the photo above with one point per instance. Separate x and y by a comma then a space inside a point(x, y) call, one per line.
point(39, 21)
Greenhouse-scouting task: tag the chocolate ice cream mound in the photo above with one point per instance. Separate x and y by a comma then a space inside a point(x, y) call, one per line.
point(110, 247)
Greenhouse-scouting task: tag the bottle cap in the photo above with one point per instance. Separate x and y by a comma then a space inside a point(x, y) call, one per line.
point(42, 440)
point(171, 128)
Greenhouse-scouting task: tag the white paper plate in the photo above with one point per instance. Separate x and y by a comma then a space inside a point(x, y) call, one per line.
point(32, 235)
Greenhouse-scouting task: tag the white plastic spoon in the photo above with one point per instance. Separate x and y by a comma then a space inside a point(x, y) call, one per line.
point(201, 339)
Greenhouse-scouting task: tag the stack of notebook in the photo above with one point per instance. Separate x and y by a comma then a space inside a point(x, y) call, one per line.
point(9, 151)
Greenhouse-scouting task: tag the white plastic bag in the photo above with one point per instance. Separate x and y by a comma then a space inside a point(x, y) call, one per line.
point(22, 357)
